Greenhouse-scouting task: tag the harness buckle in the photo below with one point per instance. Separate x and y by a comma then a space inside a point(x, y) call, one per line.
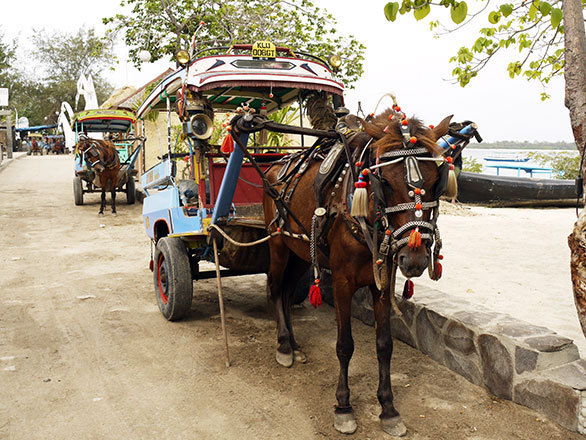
point(384, 246)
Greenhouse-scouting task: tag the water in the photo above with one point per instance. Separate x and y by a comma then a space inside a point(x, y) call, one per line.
point(480, 154)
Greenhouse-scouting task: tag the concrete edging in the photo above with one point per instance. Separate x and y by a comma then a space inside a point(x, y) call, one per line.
point(530, 365)
point(15, 156)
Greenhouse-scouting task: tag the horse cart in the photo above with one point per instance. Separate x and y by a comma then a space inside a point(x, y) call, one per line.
point(361, 199)
point(117, 126)
point(221, 195)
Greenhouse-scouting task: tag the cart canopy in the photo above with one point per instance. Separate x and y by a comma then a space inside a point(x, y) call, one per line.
point(117, 121)
point(230, 80)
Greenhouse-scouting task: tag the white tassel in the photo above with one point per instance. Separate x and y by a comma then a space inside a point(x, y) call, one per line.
point(360, 199)
point(452, 186)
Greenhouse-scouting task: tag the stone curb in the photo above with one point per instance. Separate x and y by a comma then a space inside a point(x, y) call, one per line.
point(15, 156)
point(530, 365)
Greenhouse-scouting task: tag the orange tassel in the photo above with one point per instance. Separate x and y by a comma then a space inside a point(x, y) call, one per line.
point(414, 239)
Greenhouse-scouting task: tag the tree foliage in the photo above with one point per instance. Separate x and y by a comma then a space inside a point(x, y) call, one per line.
point(7, 58)
point(471, 165)
point(534, 29)
point(65, 56)
point(564, 165)
point(60, 58)
point(163, 26)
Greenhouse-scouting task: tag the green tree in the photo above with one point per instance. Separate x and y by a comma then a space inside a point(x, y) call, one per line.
point(7, 59)
point(537, 29)
point(471, 165)
point(163, 26)
point(549, 37)
point(63, 58)
point(564, 165)
point(23, 91)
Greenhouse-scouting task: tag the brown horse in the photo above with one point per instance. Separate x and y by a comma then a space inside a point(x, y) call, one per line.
point(397, 159)
point(102, 158)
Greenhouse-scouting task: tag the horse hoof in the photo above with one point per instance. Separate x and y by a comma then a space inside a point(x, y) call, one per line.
point(100, 213)
point(345, 423)
point(114, 214)
point(299, 356)
point(286, 360)
point(393, 426)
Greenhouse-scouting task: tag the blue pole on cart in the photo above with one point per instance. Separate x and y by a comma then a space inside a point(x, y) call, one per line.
point(228, 186)
point(446, 142)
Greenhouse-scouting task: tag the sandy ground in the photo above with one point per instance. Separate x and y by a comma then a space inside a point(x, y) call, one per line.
point(512, 260)
point(85, 353)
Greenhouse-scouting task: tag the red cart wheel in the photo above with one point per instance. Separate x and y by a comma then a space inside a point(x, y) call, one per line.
point(172, 277)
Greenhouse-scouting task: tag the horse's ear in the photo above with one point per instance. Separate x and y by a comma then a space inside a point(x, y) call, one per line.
point(441, 129)
point(372, 130)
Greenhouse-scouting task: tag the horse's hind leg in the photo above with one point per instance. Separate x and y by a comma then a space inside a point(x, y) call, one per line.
point(344, 420)
point(390, 420)
point(113, 201)
point(279, 257)
point(103, 203)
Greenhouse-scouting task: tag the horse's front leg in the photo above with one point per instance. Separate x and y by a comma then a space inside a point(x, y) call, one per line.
point(279, 257)
point(103, 203)
point(295, 270)
point(344, 420)
point(113, 193)
point(390, 420)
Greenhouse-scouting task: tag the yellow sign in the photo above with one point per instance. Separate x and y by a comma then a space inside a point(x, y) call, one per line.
point(206, 223)
point(264, 49)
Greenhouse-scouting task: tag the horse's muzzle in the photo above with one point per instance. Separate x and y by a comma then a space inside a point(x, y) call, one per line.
point(413, 262)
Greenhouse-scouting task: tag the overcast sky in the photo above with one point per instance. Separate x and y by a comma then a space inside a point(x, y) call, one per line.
point(401, 57)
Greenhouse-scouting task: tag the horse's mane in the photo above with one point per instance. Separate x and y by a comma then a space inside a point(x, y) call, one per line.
point(320, 112)
point(392, 139)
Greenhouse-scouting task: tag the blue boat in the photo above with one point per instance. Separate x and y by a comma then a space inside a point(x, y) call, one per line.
point(507, 157)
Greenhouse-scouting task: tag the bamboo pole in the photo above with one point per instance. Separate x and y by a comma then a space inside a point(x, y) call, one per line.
point(221, 300)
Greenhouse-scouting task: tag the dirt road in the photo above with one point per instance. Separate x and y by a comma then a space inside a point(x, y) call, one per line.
point(85, 353)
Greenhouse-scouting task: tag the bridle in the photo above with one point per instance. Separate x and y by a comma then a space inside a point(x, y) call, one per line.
point(421, 232)
point(96, 154)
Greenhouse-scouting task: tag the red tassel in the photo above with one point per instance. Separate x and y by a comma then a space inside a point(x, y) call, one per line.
point(227, 145)
point(315, 294)
point(408, 289)
point(438, 270)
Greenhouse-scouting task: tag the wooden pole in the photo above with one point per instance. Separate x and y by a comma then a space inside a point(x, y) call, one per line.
point(221, 300)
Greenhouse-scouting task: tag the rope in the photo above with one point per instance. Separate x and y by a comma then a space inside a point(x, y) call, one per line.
point(260, 241)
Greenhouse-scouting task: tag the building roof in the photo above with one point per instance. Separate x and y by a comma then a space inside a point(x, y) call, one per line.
point(133, 101)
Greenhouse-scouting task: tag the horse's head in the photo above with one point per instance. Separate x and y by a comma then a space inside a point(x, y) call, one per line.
point(86, 148)
point(406, 185)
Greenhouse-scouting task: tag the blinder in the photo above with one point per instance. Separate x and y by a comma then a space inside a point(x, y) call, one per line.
point(442, 183)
